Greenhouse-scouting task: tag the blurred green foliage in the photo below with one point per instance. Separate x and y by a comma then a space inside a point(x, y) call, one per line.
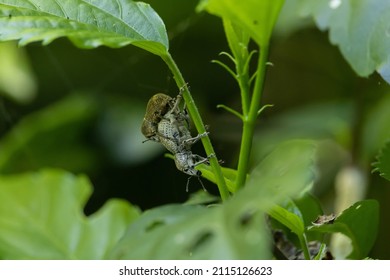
point(42, 218)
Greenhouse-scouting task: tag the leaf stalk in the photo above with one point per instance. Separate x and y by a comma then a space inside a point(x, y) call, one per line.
point(249, 119)
point(200, 127)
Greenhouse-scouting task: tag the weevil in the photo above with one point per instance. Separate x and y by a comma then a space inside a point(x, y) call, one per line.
point(175, 136)
point(161, 106)
point(186, 162)
point(166, 123)
point(158, 105)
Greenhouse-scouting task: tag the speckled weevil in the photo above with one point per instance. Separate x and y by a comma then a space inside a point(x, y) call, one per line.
point(158, 105)
point(186, 162)
point(166, 123)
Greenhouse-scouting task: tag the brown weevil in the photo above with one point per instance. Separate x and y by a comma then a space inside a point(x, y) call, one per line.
point(163, 106)
point(158, 105)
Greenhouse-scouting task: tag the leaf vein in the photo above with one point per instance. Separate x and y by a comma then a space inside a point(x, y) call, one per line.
point(120, 9)
point(62, 9)
point(106, 12)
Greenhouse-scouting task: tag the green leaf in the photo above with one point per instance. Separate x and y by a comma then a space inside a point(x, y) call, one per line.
point(293, 222)
point(360, 223)
point(192, 232)
point(238, 40)
point(289, 219)
point(375, 130)
point(305, 208)
point(87, 23)
point(229, 174)
point(309, 207)
point(360, 28)
point(383, 161)
point(41, 217)
point(256, 17)
point(335, 118)
point(202, 198)
point(287, 172)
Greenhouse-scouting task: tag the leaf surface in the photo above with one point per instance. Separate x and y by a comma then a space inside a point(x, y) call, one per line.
point(360, 28)
point(41, 217)
point(87, 23)
point(289, 219)
point(383, 162)
point(359, 223)
point(192, 232)
point(256, 17)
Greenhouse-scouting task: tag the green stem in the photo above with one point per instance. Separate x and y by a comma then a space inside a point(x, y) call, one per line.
point(244, 90)
point(305, 249)
point(194, 113)
point(321, 252)
point(249, 119)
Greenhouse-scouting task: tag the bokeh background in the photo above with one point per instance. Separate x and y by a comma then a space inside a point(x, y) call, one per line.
point(81, 110)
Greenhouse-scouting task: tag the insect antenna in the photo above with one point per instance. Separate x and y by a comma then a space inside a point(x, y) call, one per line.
point(188, 182)
point(200, 181)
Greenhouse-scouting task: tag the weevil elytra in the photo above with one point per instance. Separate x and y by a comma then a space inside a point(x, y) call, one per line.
point(162, 106)
point(158, 105)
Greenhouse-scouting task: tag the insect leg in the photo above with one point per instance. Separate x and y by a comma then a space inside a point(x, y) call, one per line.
point(195, 139)
point(199, 160)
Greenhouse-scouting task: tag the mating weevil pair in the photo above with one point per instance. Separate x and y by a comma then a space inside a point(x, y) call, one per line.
point(166, 123)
